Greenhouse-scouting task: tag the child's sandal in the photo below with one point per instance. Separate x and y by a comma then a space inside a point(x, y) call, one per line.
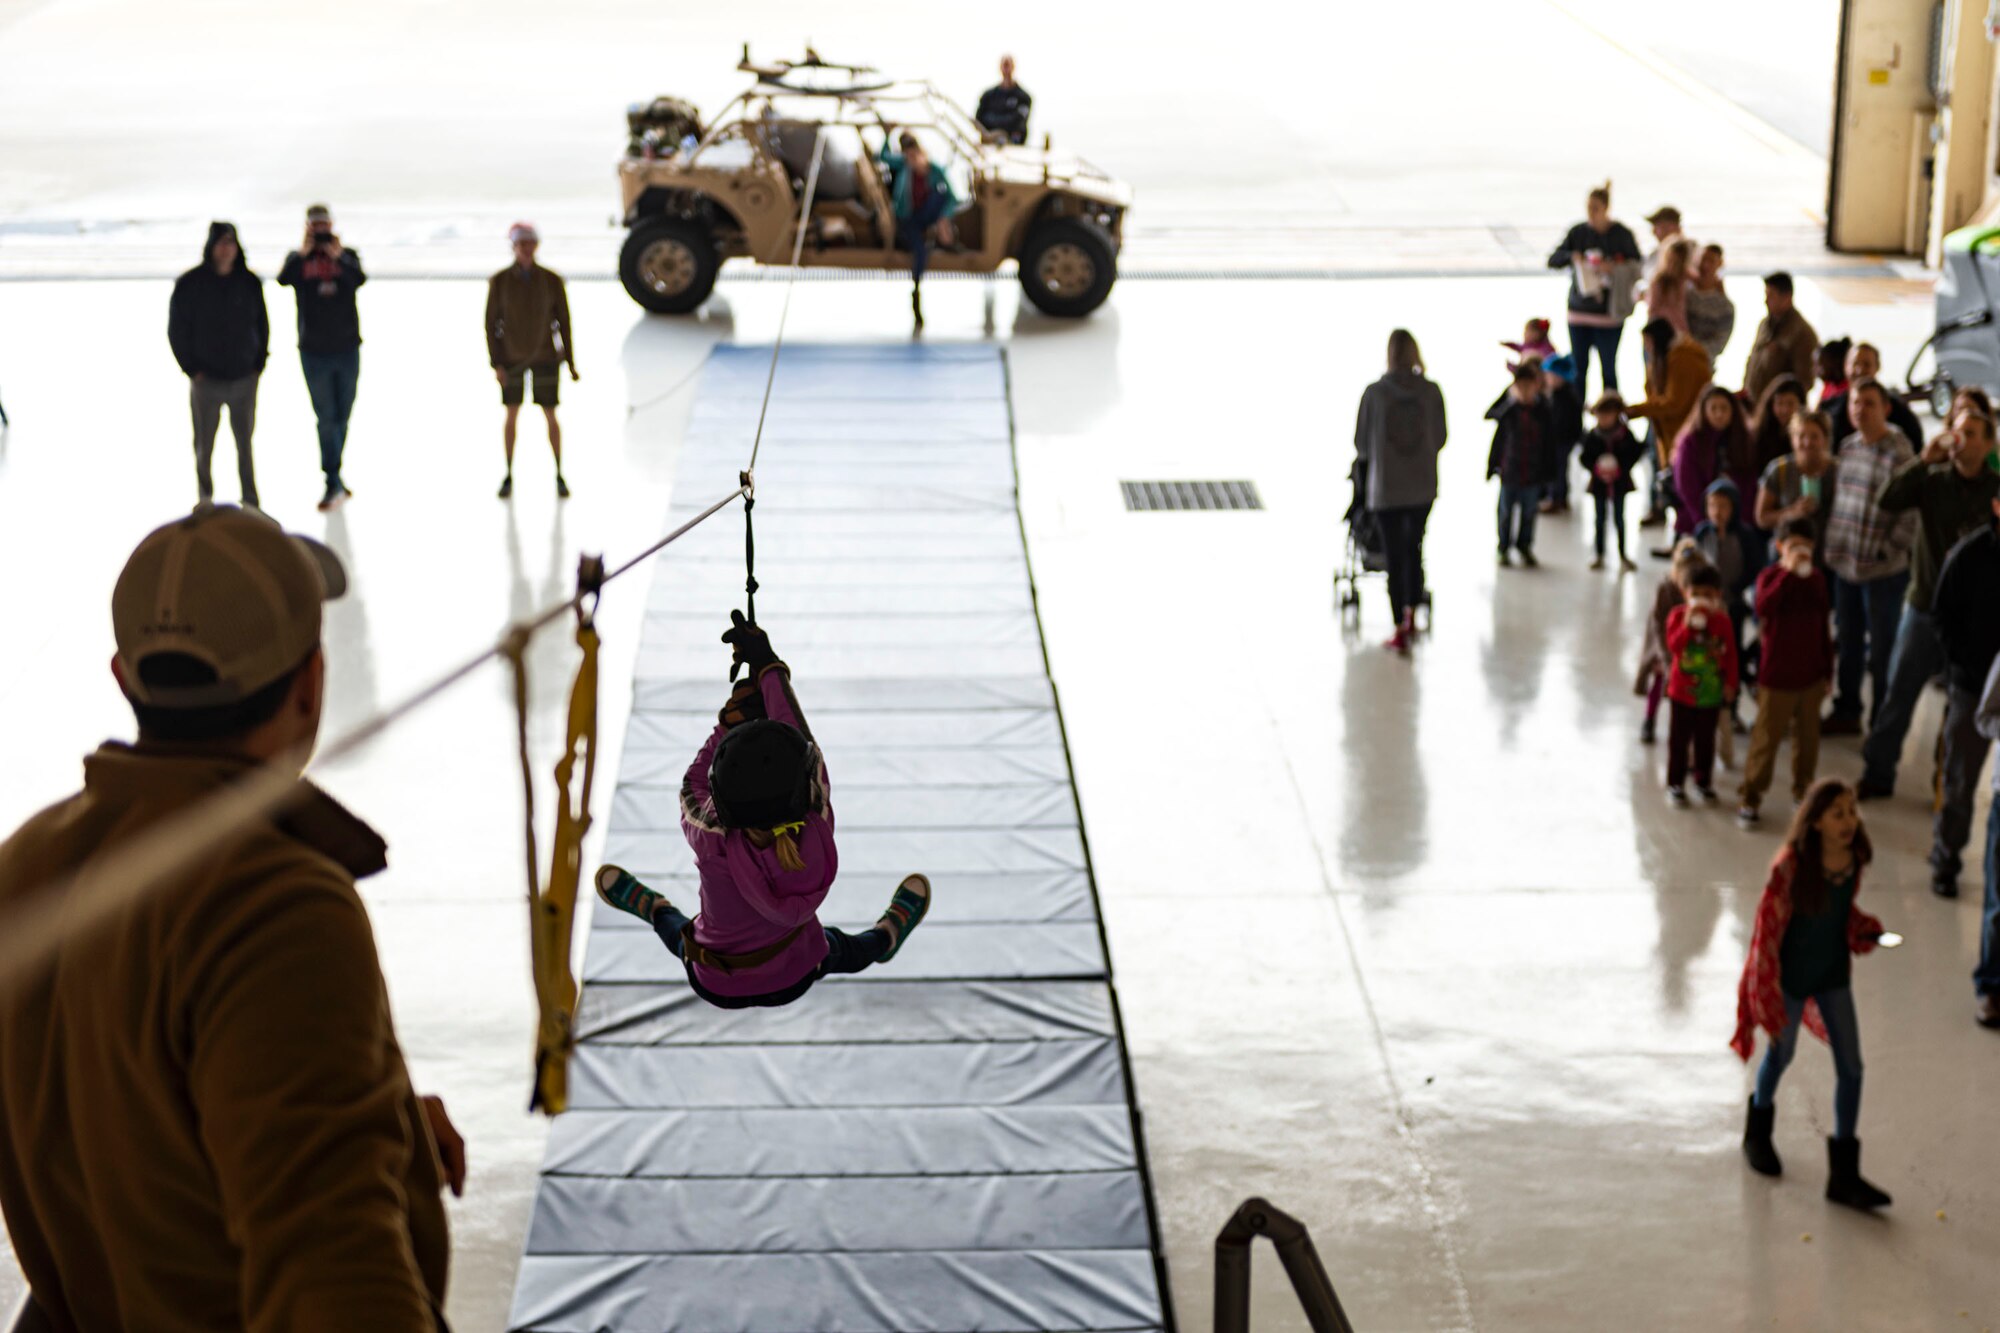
point(620, 889)
point(907, 907)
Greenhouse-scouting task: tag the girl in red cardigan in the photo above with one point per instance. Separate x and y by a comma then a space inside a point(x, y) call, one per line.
point(1798, 972)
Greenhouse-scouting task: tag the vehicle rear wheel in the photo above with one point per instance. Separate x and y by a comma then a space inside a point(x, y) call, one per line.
point(1068, 266)
point(669, 264)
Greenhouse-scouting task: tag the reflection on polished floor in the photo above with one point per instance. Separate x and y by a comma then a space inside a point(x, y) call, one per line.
point(1415, 949)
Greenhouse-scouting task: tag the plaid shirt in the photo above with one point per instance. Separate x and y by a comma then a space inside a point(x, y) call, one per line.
point(1863, 540)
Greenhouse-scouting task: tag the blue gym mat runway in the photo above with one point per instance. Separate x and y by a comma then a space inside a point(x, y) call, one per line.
point(942, 1144)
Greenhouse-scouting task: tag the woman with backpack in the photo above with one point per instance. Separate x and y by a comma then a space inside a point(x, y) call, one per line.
point(1397, 434)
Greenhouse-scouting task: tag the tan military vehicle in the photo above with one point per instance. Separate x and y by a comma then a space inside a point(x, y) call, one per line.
point(696, 194)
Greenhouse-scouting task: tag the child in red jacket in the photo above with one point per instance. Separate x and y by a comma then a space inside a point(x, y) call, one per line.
point(1800, 972)
point(1795, 666)
point(1701, 678)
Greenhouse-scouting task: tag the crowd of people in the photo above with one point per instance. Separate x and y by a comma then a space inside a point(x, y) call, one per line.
point(1829, 561)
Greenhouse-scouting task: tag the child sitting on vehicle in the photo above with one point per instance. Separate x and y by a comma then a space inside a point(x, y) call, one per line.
point(756, 809)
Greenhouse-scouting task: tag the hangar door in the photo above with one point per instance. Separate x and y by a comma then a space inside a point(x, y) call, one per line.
point(1884, 114)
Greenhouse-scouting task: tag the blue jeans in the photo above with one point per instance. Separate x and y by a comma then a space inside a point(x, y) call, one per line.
point(1865, 616)
point(1986, 977)
point(1918, 656)
point(1518, 509)
point(910, 233)
point(1836, 1010)
point(331, 378)
point(1583, 338)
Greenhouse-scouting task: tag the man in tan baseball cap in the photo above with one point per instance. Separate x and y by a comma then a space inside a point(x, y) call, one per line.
point(205, 1119)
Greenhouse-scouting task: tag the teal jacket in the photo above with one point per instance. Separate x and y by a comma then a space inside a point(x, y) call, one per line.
point(900, 184)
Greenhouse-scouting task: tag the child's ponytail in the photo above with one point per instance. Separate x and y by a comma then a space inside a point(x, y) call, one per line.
point(784, 840)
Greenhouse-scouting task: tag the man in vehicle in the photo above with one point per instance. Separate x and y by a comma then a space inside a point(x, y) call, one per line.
point(528, 334)
point(1003, 108)
point(221, 336)
point(324, 275)
point(205, 1119)
point(1784, 341)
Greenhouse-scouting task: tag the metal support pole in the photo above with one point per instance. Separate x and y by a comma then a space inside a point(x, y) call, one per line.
point(1302, 1264)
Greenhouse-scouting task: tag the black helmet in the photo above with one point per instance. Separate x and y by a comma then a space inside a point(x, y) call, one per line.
point(762, 775)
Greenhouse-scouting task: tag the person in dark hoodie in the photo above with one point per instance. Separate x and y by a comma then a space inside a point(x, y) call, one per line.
point(1524, 431)
point(1566, 409)
point(221, 335)
point(1398, 432)
point(1731, 543)
point(1963, 609)
point(324, 275)
point(1736, 549)
point(1953, 490)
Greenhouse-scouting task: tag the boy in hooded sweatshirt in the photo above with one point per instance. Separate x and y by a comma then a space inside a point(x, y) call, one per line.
point(1736, 549)
point(756, 809)
point(1566, 410)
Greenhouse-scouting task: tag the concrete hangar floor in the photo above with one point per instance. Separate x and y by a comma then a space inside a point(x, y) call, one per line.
point(1416, 950)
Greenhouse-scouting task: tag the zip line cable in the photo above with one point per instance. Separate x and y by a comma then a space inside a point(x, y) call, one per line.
point(749, 475)
point(148, 862)
point(791, 285)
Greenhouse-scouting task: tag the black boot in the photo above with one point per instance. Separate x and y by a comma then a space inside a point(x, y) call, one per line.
point(1844, 1183)
point(1757, 1141)
point(917, 305)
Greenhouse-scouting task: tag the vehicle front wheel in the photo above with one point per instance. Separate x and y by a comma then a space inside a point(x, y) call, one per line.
point(1068, 266)
point(669, 264)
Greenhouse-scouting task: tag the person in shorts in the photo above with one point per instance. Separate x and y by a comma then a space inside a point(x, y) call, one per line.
point(528, 337)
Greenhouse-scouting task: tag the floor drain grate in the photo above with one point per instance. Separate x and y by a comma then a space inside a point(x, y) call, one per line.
point(1160, 495)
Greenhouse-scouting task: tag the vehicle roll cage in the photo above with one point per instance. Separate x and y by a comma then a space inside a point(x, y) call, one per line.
point(859, 106)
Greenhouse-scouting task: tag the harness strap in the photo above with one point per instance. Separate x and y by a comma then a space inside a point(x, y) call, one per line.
point(704, 956)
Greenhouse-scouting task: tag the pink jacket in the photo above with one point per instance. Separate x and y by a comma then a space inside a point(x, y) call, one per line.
point(747, 902)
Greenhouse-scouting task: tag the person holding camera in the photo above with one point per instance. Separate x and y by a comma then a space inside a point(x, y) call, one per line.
point(324, 275)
